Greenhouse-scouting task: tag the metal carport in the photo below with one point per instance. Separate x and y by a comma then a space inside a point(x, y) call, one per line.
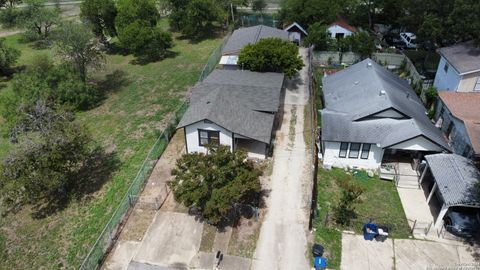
point(454, 179)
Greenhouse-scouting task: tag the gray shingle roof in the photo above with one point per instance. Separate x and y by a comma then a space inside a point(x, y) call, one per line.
point(251, 35)
point(353, 95)
point(456, 177)
point(243, 108)
point(464, 57)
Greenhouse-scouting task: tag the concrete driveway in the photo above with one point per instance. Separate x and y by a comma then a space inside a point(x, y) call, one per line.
point(283, 237)
point(173, 239)
point(403, 254)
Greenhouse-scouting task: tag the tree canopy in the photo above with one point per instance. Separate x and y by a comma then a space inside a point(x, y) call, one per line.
point(77, 45)
point(38, 19)
point(8, 57)
point(216, 182)
point(271, 55)
point(319, 37)
point(137, 29)
point(101, 15)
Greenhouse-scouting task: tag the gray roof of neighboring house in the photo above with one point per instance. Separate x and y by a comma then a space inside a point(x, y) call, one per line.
point(456, 177)
point(464, 57)
point(353, 95)
point(244, 108)
point(251, 35)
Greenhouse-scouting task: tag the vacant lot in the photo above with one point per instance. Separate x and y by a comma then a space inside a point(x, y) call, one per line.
point(379, 202)
point(127, 123)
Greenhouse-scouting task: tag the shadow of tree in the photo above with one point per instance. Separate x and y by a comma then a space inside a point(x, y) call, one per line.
point(93, 174)
point(112, 82)
point(213, 33)
point(144, 60)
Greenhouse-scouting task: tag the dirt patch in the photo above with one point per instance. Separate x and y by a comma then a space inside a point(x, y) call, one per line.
point(208, 237)
point(137, 224)
point(244, 238)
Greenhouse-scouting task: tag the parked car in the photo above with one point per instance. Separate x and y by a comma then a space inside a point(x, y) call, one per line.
point(393, 39)
point(462, 221)
point(409, 39)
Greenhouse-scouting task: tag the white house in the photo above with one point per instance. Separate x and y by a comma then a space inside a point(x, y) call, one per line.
point(296, 33)
point(372, 115)
point(459, 68)
point(244, 36)
point(234, 108)
point(340, 29)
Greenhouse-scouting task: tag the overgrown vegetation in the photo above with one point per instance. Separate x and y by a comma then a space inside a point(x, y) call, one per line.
point(271, 55)
point(216, 183)
point(64, 234)
point(441, 22)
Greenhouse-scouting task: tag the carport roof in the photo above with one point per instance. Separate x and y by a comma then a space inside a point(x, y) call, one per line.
point(456, 177)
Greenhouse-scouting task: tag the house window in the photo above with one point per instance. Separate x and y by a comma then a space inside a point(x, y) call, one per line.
point(340, 35)
point(208, 137)
point(445, 67)
point(477, 85)
point(365, 151)
point(343, 150)
point(354, 149)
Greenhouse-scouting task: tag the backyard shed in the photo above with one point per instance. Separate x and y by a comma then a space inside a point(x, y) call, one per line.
point(296, 33)
point(453, 178)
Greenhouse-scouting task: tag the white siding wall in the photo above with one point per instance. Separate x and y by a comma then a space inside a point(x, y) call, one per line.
point(334, 29)
point(332, 150)
point(294, 36)
point(417, 144)
point(193, 144)
point(446, 80)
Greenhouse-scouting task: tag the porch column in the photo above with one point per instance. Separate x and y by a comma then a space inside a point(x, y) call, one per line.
point(424, 173)
point(431, 192)
point(439, 221)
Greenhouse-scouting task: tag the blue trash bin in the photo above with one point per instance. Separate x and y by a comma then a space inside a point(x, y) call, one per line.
point(370, 231)
point(320, 263)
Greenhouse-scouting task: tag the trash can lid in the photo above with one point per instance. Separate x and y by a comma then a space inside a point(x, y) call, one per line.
point(320, 262)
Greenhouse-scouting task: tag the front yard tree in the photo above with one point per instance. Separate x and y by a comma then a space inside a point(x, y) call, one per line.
point(215, 183)
point(136, 25)
point(259, 5)
point(271, 55)
point(78, 46)
point(101, 15)
point(345, 209)
point(39, 19)
point(362, 43)
point(200, 16)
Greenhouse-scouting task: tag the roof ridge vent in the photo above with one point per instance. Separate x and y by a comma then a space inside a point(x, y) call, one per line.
point(382, 93)
point(369, 64)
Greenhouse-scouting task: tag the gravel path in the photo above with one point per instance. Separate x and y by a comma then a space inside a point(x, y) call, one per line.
point(283, 237)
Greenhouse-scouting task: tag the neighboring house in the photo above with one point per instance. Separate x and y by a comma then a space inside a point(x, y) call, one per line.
point(233, 108)
point(296, 33)
point(458, 116)
point(244, 36)
point(371, 115)
point(459, 68)
point(340, 29)
point(450, 181)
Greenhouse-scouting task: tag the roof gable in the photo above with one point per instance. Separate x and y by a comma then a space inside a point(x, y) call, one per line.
point(295, 25)
point(251, 35)
point(464, 57)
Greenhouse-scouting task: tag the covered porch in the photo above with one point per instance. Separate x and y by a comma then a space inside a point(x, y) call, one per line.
point(255, 149)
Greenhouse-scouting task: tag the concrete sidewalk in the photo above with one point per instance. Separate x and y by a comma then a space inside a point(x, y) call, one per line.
point(403, 254)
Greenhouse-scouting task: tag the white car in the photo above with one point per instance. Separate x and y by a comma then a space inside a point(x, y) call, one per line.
point(409, 39)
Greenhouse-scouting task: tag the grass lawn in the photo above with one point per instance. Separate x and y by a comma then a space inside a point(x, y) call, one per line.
point(379, 202)
point(127, 122)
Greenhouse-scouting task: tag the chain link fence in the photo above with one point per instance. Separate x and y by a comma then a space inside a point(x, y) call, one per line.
point(119, 217)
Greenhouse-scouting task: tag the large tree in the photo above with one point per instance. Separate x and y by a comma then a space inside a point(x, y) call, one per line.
point(271, 55)
point(101, 15)
point(49, 152)
point(216, 183)
point(195, 18)
point(39, 19)
point(136, 24)
point(465, 20)
point(319, 37)
point(78, 46)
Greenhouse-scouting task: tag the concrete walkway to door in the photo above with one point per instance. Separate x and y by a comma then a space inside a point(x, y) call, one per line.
point(414, 202)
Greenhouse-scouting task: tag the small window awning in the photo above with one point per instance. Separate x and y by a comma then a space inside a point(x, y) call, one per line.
point(456, 177)
point(229, 60)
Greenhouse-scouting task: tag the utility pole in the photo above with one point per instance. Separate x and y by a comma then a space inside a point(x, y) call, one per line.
point(233, 18)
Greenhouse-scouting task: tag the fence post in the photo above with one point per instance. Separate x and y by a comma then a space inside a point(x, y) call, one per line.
point(413, 227)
